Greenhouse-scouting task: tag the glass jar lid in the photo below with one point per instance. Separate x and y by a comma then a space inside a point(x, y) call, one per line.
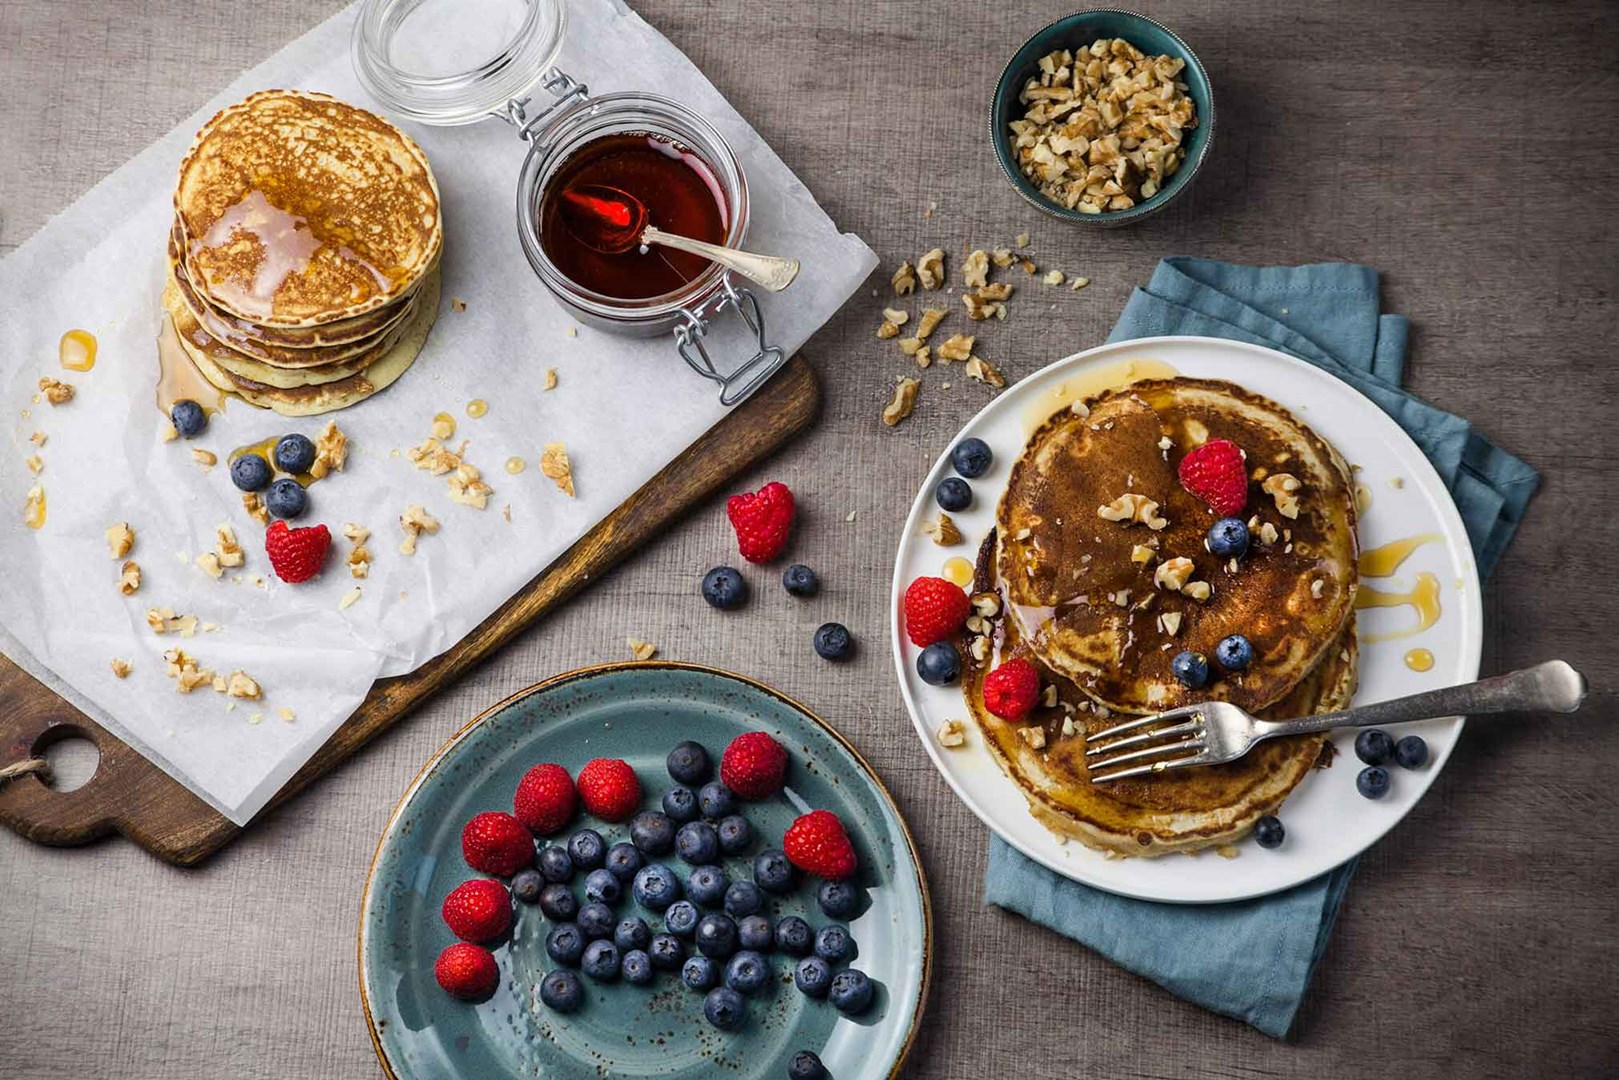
point(448, 62)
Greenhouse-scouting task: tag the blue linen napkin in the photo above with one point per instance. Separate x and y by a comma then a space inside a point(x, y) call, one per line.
point(1253, 959)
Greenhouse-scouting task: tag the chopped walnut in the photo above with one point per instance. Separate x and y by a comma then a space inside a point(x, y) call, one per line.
point(1141, 553)
point(999, 291)
point(1198, 590)
point(979, 648)
point(985, 372)
point(38, 438)
point(468, 488)
point(415, 521)
point(255, 507)
point(120, 539)
point(555, 464)
point(348, 599)
point(887, 330)
point(121, 668)
point(1131, 508)
point(206, 458)
point(550, 379)
point(987, 604)
point(1021, 240)
point(975, 269)
point(1283, 487)
point(164, 621)
point(1002, 257)
point(1055, 277)
point(433, 456)
point(182, 668)
point(208, 563)
point(1317, 587)
point(642, 650)
point(897, 316)
point(359, 560)
point(924, 358)
point(904, 402)
point(1173, 573)
point(1170, 622)
point(942, 530)
point(240, 685)
point(57, 393)
point(904, 279)
point(910, 346)
point(929, 321)
point(979, 308)
point(930, 269)
point(1079, 283)
point(1034, 735)
point(129, 577)
point(956, 347)
point(331, 451)
point(35, 463)
point(951, 734)
point(230, 551)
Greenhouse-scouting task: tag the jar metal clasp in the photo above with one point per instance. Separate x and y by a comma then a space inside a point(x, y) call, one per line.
point(745, 379)
point(565, 90)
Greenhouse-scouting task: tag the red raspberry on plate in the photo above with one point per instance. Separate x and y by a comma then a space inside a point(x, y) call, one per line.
point(468, 972)
point(478, 910)
point(934, 609)
point(753, 765)
point(609, 789)
point(545, 799)
point(817, 844)
point(1011, 690)
point(1216, 473)
point(762, 521)
point(296, 554)
point(497, 843)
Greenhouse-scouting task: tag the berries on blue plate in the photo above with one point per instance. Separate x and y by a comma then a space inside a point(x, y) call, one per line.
point(735, 834)
point(587, 849)
point(939, 664)
point(527, 885)
point(971, 458)
point(806, 1066)
point(294, 453)
point(1374, 747)
point(286, 499)
point(697, 843)
point(188, 418)
point(561, 991)
point(700, 973)
point(1268, 832)
point(812, 976)
point(850, 991)
point(800, 580)
point(652, 832)
point(1373, 782)
point(838, 899)
point(1411, 752)
point(251, 472)
point(953, 494)
point(632, 933)
point(655, 887)
point(637, 967)
point(555, 863)
point(724, 588)
point(1234, 652)
point(1191, 668)
point(680, 918)
point(596, 920)
point(558, 902)
point(602, 887)
point(706, 885)
point(832, 641)
point(755, 932)
point(833, 944)
point(747, 972)
point(601, 961)
point(743, 898)
point(1228, 538)
point(688, 763)
point(725, 1009)
point(772, 872)
point(716, 936)
point(680, 804)
point(716, 800)
point(623, 861)
point(666, 953)
point(794, 936)
point(565, 944)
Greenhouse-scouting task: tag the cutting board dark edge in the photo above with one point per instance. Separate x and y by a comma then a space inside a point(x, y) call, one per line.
point(130, 795)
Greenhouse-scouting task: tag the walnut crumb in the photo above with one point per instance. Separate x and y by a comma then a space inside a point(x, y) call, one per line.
point(57, 393)
point(331, 451)
point(1170, 622)
point(1131, 507)
point(458, 304)
point(121, 668)
point(120, 539)
point(35, 463)
point(1173, 573)
point(942, 530)
point(951, 734)
point(348, 599)
point(985, 372)
point(255, 507)
point(38, 438)
point(904, 279)
point(1198, 590)
point(1079, 283)
point(1283, 487)
point(930, 269)
point(206, 458)
point(903, 403)
point(975, 270)
point(550, 379)
point(554, 463)
point(956, 347)
point(642, 650)
point(129, 578)
point(414, 522)
point(1034, 735)
point(1055, 277)
point(929, 321)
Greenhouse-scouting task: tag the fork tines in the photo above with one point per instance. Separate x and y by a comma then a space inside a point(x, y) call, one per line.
point(1157, 736)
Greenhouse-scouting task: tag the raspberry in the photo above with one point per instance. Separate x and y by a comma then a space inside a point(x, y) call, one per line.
point(468, 972)
point(753, 765)
point(817, 844)
point(1216, 473)
point(1011, 690)
point(478, 910)
point(545, 798)
point(934, 609)
point(762, 521)
point(497, 843)
point(296, 554)
point(609, 789)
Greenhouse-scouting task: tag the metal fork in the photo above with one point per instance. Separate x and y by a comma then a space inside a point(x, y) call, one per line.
point(1215, 732)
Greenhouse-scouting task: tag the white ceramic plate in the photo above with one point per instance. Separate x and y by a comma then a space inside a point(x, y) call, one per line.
point(1327, 821)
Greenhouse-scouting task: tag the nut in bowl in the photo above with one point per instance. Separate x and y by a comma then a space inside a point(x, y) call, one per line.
point(1103, 117)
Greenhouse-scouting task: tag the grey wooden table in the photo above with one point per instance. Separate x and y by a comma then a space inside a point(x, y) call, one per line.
point(1466, 149)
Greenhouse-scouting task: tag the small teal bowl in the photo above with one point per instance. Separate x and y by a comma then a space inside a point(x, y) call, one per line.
point(1082, 28)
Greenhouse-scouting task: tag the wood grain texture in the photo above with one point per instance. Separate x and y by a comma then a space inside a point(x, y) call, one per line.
point(1479, 938)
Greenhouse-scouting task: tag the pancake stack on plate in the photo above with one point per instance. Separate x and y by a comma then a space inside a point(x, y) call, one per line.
point(303, 259)
point(1084, 599)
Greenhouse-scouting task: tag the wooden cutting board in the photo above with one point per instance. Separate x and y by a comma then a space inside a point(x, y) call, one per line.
point(130, 795)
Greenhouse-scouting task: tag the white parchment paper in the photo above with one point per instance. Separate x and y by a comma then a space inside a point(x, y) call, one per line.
point(624, 407)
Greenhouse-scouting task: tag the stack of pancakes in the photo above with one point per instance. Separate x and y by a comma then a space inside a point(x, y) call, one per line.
point(304, 253)
point(1080, 601)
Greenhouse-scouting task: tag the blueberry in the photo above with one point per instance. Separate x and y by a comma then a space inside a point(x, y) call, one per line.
point(747, 972)
point(1191, 668)
point(188, 417)
point(655, 887)
point(666, 952)
point(527, 885)
point(565, 944)
point(1411, 752)
point(700, 973)
point(680, 804)
point(697, 843)
point(558, 902)
point(632, 933)
point(743, 898)
point(688, 763)
point(971, 458)
point(716, 800)
point(1268, 832)
point(773, 873)
point(939, 664)
point(725, 1009)
point(735, 834)
point(724, 588)
point(833, 943)
point(587, 849)
point(286, 498)
point(1373, 782)
point(596, 921)
point(794, 936)
point(1228, 538)
point(812, 976)
point(953, 494)
point(601, 887)
point(833, 642)
point(755, 932)
point(562, 992)
point(652, 832)
point(1234, 652)
point(706, 886)
point(838, 899)
point(680, 919)
point(601, 961)
point(1374, 747)
point(623, 861)
point(800, 580)
point(716, 936)
point(806, 1066)
point(250, 472)
point(850, 991)
point(294, 453)
point(636, 967)
point(555, 863)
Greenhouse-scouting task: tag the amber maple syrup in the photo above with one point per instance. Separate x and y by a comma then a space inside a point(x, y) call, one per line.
point(77, 350)
point(178, 378)
point(266, 450)
point(1092, 381)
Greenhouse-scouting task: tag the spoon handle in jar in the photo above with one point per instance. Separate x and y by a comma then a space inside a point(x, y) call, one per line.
point(771, 271)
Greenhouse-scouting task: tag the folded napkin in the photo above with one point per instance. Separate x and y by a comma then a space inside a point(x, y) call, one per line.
point(1253, 959)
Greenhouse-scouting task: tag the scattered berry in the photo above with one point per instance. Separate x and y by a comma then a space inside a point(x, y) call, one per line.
point(1228, 538)
point(762, 521)
point(725, 1009)
point(558, 903)
point(656, 887)
point(706, 886)
point(632, 933)
point(188, 418)
point(832, 641)
point(1012, 690)
point(735, 834)
point(468, 972)
point(296, 554)
point(755, 932)
point(497, 843)
point(753, 765)
point(794, 936)
point(601, 961)
point(1216, 473)
point(294, 453)
point(773, 873)
point(527, 885)
point(1374, 747)
point(1234, 652)
point(724, 588)
point(939, 664)
point(817, 844)
point(652, 832)
point(1191, 668)
point(1373, 782)
point(934, 610)
point(666, 952)
point(716, 936)
point(680, 804)
point(972, 458)
point(800, 580)
point(623, 861)
point(681, 918)
point(286, 499)
point(812, 976)
point(716, 801)
point(838, 899)
point(850, 992)
point(636, 967)
point(697, 843)
point(688, 763)
point(545, 799)
point(561, 991)
point(700, 973)
point(250, 472)
point(743, 898)
point(596, 920)
point(587, 849)
point(834, 945)
point(556, 864)
point(601, 887)
point(478, 910)
point(1411, 752)
point(806, 1066)
point(1268, 832)
point(609, 789)
point(565, 944)
point(747, 972)
point(953, 494)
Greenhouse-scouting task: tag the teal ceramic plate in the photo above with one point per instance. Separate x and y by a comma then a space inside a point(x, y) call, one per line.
point(636, 712)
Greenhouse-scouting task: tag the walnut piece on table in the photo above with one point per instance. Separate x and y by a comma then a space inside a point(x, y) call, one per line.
point(904, 402)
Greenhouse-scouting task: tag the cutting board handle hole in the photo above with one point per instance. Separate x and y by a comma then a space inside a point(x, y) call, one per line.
point(73, 755)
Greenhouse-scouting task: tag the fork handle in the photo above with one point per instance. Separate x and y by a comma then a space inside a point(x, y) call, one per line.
point(1550, 687)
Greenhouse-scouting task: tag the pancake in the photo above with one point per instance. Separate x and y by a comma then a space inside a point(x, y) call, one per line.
point(1091, 612)
point(299, 210)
